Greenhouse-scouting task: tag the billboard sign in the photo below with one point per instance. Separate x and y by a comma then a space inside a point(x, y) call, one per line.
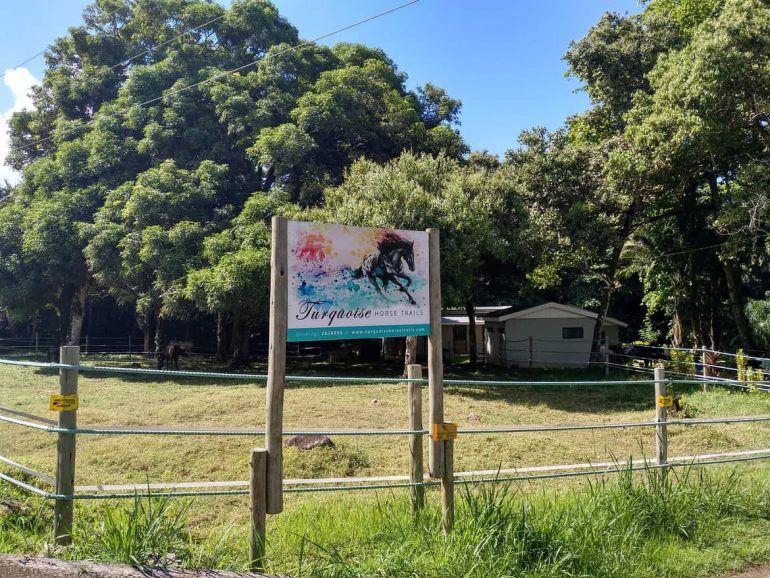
point(356, 283)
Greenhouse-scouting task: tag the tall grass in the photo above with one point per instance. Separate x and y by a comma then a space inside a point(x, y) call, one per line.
point(148, 531)
point(631, 525)
point(613, 527)
point(25, 524)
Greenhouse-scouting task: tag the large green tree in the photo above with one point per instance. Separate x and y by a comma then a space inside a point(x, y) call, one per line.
point(164, 90)
point(477, 212)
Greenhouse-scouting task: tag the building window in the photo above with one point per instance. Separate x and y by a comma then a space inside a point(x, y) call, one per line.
point(572, 333)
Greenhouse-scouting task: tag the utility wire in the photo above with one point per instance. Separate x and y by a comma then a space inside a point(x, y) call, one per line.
point(170, 40)
point(171, 93)
point(128, 4)
point(685, 251)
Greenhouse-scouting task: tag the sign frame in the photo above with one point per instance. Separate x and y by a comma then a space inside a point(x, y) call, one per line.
point(349, 282)
point(276, 372)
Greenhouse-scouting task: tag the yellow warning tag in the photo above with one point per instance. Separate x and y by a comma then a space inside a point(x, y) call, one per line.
point(58, 402)
point(444, 431)
point(665, 400)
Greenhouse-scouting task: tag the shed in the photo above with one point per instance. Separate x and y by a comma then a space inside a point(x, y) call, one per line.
point(548, 335)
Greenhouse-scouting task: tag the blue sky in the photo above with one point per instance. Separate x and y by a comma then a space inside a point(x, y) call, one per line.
point(502, 58)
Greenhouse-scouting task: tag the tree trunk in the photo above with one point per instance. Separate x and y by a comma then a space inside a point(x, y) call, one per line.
point(235, 333)
point(240, 341)
point(612, 273)
point(77, 313)
point(221, 345)
point(410, 352)
point(159, 330)
point(470, 310)
point(677, 330)
point(736, 302)
point(65, 306)
point(147, 335)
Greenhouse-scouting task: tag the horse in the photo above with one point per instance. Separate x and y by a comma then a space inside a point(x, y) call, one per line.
point(169, 355)
point(385, 264)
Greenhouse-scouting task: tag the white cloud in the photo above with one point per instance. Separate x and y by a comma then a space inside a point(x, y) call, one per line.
point(20, 81)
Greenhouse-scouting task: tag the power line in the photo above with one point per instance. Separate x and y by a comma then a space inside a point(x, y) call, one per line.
point(170, 93)
point(685, 251)
point(170, 40)
point(128, 4)
point(149, 50)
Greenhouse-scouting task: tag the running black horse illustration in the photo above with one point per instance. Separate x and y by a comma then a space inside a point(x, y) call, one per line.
point(385, 264)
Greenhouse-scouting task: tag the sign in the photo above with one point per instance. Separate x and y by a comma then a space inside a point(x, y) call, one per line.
point(444, 431)
point(58, 402)
point(665, 401)
point(356, 283)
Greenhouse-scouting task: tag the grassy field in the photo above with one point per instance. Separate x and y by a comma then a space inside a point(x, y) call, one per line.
point(357, 534)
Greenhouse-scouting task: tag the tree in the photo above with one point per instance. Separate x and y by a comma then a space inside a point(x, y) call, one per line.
point(419, 192)
point(142, 92)
point(236, 278)
point(149, 235)
point(703, 130)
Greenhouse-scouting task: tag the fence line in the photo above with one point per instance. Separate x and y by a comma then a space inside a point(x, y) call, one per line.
point(327, 378)
point(526, 428)
point(594, 467)
point(442, 433)
point(697, 350)
point(476, 477)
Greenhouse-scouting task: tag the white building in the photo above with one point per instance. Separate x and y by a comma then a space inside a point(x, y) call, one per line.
point(455, 329)
point(549, 335)
point(455, 332)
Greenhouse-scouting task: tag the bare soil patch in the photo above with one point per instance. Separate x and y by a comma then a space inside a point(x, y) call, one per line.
point(38, 567)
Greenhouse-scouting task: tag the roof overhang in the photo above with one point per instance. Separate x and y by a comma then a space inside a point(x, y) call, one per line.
point(459, 320)
point(566, 310)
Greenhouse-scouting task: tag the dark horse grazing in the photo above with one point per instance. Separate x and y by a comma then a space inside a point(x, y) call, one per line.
point(385, 264)
point(169, 356)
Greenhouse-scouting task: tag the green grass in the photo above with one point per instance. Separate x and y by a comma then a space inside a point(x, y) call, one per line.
point(696, 523)
point(559, 527)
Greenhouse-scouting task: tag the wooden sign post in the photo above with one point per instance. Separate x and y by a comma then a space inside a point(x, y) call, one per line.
point(435, 354)
point(392, 288)
point(257, 500)
point(415, 440)
point(276, 367)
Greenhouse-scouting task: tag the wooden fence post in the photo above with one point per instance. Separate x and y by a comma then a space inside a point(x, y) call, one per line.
point(662, 403)
point(415, 440)
point(435, 353)
point(705, 372)
point(258, 497)
point(65, 448)
point(448, 487)
point(276, 365)
point(606, 358)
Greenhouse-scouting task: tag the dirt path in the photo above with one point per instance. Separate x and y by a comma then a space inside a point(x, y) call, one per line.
point(35, 567)
point(759, 572)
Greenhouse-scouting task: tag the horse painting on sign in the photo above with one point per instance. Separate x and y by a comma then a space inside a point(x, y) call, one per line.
point(386, 264)
point(355, 282)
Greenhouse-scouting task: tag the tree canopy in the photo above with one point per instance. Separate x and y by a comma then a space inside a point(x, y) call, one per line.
point(167, 133)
